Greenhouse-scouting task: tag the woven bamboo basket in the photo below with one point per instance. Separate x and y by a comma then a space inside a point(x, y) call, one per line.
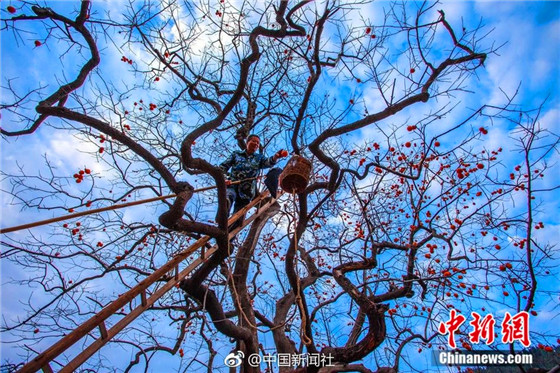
point(295, 176)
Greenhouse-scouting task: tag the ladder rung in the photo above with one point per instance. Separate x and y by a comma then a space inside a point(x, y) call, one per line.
point(103, 330)
point(143, 298)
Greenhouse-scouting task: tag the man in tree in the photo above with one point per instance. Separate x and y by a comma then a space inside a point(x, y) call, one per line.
point(245, 166)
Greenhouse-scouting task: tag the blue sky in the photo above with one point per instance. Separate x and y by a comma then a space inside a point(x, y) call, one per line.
point(528, 33)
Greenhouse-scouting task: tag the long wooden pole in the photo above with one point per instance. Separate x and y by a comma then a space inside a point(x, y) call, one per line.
point(82, 213)
point(101, 209)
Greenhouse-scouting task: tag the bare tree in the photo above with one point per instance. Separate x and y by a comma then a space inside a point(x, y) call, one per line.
point(406, 216)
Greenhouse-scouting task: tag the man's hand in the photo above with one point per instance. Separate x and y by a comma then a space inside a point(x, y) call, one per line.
point(280, 154)
point(228, 182)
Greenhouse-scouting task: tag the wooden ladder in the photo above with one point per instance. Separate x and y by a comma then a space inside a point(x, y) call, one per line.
point(42, 361)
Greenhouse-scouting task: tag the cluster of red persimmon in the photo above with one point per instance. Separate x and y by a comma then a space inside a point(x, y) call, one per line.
point(127, 60)
point(79, 176)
